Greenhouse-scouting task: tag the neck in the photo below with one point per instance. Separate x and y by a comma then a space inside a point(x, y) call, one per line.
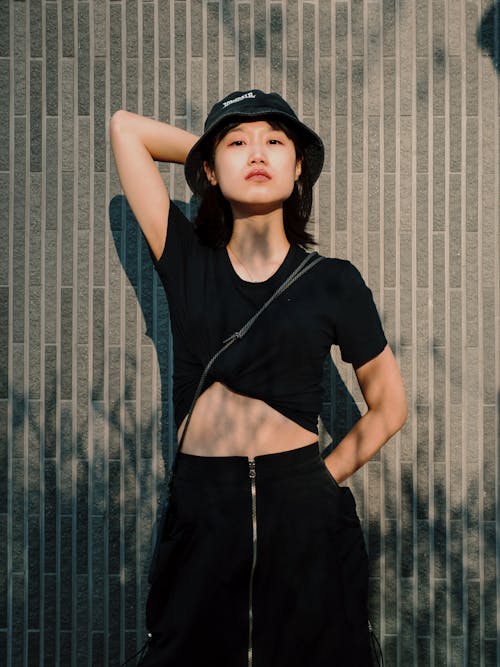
point(258, 246)
point(259, 238)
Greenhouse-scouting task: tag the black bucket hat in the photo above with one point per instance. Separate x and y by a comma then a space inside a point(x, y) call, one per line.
point(246, 105)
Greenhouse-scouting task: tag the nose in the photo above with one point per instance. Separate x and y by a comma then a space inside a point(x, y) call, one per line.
point(257, 153)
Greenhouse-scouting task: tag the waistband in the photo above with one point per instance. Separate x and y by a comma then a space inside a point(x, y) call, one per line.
point(228, 468)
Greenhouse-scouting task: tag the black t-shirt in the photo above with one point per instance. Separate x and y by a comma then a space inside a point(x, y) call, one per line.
point(280, 361)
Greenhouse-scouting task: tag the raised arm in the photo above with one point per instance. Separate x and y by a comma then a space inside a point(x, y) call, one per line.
point(383, 390)
point(137, 142)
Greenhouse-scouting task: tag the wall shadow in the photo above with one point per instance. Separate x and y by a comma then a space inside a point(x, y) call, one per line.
point(488, 34)
point(129, 245)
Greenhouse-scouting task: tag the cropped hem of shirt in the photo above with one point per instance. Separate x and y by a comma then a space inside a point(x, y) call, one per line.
point(281, 360)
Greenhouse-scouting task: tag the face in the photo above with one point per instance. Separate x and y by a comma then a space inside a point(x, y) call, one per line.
point(255, 167)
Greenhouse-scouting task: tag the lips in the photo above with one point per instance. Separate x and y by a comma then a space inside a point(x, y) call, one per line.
point(258, 175)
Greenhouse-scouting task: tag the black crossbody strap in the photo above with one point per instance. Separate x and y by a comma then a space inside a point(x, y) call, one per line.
point(307, 263)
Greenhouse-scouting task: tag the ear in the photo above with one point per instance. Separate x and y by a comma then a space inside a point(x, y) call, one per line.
point(210, 174)
point(298, 169)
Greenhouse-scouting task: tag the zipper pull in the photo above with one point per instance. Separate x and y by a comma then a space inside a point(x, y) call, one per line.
point(251, 466)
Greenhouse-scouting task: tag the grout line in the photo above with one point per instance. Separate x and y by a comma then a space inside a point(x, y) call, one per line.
point(382, 514)
point(414, 317)
point(397, 21)
point(366, 120)
point(138, 374)
point(236, 49)
point(58, 333)
point(364, 482)
point(90, 440)
point(10, 335)
point(300, 72)
point(189, 82)
point(447, 416)
point(155, 390)
point(251, 7)
point(221, 78)
point(26, 355)
point(430, 329)
point(496, 216)
point(43, 297)
point(464, 360)
point(267, 57)
point(105, 396)
point(171, 439)
point(285, 53)
point(74, 348)
point(333, 137)
point(122, 322)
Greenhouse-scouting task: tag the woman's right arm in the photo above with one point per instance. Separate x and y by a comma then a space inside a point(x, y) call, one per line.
point(137, 142)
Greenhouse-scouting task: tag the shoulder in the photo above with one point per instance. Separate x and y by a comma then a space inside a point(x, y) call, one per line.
point(182, 247)
point(358, 329)
point(341, 275)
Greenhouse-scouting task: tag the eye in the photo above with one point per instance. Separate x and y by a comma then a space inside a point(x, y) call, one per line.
point(277, 140)
point(234, 139)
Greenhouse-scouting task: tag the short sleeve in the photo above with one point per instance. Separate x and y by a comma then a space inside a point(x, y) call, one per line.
point(178, 245)
point(359, 331)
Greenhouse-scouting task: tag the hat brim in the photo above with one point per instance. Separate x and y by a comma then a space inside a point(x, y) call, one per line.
point(312, 146)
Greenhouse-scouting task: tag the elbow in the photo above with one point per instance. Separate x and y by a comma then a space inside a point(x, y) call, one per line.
point(403, 414)
point(118, 122)
point(120, 129)
point(392, 412)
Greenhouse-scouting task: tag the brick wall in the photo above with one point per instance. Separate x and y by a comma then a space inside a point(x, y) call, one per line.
point(406, 97)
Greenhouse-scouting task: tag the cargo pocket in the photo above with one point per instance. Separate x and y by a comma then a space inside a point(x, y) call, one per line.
point(165, 565)
point(169, 530)
point(353, 560)
point(330, 479)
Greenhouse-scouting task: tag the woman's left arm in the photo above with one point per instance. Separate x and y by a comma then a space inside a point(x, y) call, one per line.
point(383, 390)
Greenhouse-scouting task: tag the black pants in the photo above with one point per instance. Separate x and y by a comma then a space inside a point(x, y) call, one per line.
point(260, 564)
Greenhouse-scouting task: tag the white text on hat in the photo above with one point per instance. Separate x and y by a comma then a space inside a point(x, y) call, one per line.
point(246, 96)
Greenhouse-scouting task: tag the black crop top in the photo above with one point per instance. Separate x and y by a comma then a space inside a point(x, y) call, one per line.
point(280, 361)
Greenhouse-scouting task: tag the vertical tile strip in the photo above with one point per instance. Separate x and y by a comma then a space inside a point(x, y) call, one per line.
point(10, 386)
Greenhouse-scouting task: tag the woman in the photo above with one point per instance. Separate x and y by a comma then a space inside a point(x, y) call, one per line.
point(261, 559)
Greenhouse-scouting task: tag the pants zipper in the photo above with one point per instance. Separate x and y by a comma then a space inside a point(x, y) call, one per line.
point(253, 491)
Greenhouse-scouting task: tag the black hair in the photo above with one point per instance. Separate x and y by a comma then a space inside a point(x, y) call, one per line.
point(214, 219)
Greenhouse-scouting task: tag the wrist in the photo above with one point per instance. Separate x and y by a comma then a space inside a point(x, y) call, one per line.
point(334, 470)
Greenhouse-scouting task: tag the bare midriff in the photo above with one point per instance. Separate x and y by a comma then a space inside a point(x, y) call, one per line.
point(225, 423)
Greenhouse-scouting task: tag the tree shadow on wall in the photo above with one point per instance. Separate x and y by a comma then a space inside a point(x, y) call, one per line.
point(488, 34)
point(87, 515)
point(432, 537)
